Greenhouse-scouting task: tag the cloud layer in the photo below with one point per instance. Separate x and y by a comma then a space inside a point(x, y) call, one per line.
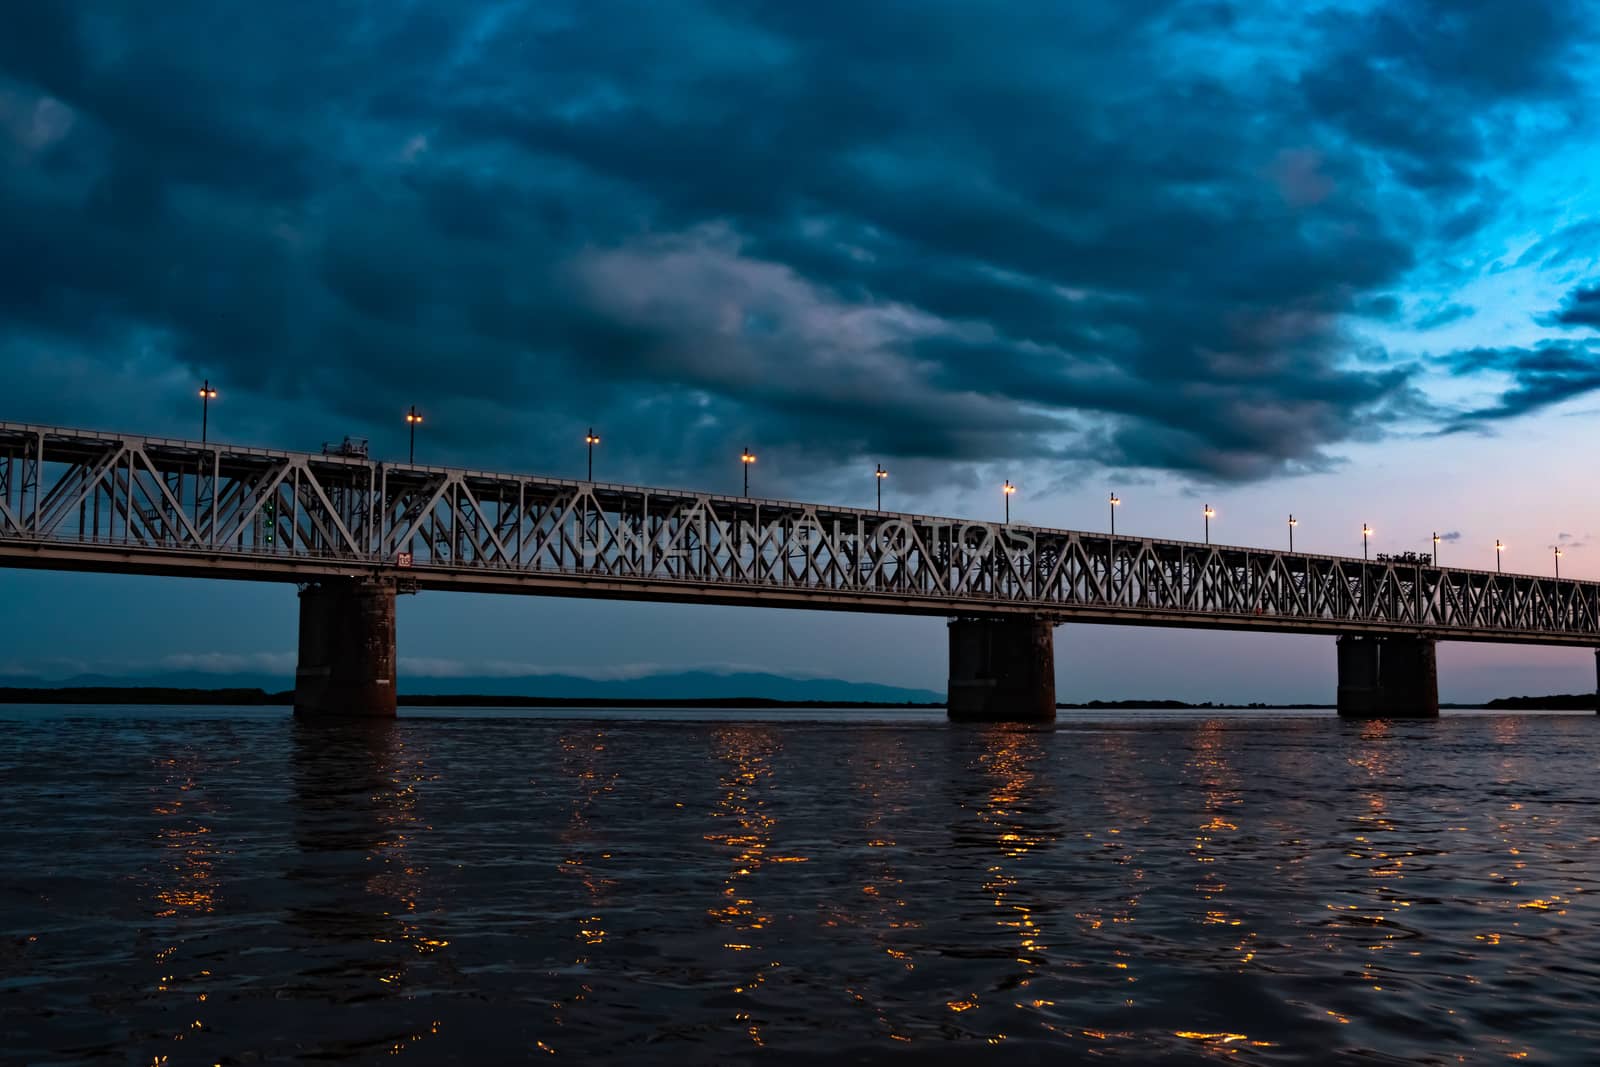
point(941, 233)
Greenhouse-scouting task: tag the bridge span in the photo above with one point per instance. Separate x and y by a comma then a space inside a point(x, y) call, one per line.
point(352, 531)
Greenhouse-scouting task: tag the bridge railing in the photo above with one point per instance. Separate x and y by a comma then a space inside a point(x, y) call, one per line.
point(79, 492)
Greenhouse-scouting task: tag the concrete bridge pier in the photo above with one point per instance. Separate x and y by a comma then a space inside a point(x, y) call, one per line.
point(1391, 677)
point(1002, 670)
point(347, 657)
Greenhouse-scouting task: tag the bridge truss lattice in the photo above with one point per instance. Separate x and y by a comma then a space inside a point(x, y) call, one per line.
point(90, 500)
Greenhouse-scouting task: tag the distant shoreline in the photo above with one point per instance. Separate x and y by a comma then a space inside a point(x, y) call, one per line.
point(285, 698)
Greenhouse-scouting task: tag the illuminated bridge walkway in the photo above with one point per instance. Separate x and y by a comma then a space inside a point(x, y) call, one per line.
point(353, 530)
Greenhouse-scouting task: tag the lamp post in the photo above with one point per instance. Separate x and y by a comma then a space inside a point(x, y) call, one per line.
point(591, 440)
point(1293, 522)
point(1008, 489)
point(1436, 548)
point(1366, 533)
point(1114, 500)
point(880, 476)
point(1499, 550)
point(1558, 563)
point(747, 459)
point(1209, 514)
point(413, 420)
point(207, 395)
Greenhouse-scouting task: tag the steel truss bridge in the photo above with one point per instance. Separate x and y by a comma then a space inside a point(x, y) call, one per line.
point(97, 501)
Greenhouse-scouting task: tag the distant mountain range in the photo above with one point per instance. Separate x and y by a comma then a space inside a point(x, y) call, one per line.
point(685, 685)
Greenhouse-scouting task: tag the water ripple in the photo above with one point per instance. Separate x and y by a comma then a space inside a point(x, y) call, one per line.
point(1277, 889)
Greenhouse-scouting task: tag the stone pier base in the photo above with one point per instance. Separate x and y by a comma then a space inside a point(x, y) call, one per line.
point(1002, 670)
point(347, 652)
point(1388, 677)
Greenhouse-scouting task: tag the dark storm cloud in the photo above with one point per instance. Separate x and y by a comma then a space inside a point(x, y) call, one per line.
point(1580, 308)
point(1541, 375)
point(947, 231)
point(1421, 82)
point(1384, 307)
point(1545, 374)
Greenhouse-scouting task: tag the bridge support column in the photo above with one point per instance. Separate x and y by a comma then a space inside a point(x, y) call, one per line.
point(1388, 677)
point(347, 657)
point(1002, 670)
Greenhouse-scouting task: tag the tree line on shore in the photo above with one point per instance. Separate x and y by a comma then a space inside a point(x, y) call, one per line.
point(242, 697)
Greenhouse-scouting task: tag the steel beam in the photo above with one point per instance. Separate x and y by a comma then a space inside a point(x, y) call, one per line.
point(266, 514)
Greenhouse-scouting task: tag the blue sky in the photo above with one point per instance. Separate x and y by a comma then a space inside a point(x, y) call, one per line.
point(1338, 260)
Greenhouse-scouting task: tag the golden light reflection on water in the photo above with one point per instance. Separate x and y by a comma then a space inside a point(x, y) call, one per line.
point(585, 763)
point(1371, 831)
point(583, 756)
point(873, 902)
point(743, 825)
point(357, 788)
point(1015, 818)
point(1114, 845)
point(1397, 838)
point(1215, 836)
point(398, 879)
point(1221, 1040)
point(1384, 828)
point(185, 877)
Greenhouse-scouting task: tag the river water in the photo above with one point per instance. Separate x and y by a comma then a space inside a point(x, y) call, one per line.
point(230, 886)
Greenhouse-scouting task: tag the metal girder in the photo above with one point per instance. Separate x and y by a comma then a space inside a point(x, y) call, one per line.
point(82, 499)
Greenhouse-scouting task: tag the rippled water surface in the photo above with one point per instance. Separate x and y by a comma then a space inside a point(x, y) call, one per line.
point(229, 886)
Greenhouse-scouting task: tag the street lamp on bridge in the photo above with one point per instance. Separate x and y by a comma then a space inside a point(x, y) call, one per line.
point(1499, 550)
point(413, 420)
point(207, 395)
point(1436, 548)
point(591, 440)
point(1366, 534)
point(881, 475)
point(1209, 514)
point(1558, 563)
point(748, 458)
point(1008, 489)
point(1114, 500)
point(1293, 522)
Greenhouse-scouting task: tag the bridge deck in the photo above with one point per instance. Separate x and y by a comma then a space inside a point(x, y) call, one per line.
point(92, 500)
